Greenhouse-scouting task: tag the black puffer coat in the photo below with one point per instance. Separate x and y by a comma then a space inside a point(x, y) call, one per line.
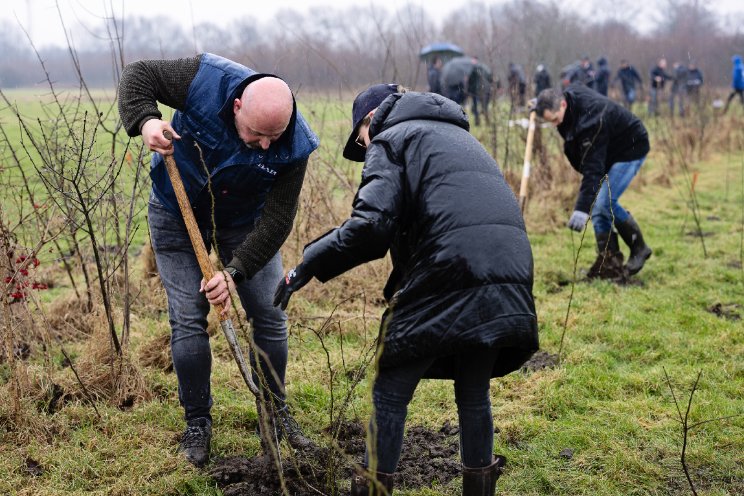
point(598, 133)
point(462, 263)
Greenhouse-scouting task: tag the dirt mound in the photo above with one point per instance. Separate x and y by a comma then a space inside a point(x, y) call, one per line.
point(729, 311)
point(427, 457)
point(540, 360)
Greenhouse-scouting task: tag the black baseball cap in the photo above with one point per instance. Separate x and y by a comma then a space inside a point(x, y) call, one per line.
point(364, 103)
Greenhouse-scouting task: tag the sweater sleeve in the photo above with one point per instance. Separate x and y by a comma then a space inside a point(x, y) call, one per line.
point(274, 225)
point(146, 82)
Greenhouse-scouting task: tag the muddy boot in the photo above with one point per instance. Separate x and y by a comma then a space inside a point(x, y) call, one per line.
point(639, 250)
point(289, 427)
point(286, 427)
point(195, 441)
point(609, 262)
point(482, 481)
point(361, 486)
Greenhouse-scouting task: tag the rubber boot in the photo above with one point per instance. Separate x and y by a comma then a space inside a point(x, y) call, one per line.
point(482, 481)
point(361, 486)
point(609, 262)
point(639, 250)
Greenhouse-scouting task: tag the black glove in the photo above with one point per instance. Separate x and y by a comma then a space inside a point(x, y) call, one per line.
point(294, 281)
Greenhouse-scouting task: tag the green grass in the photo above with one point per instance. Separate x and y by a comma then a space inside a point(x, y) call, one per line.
point(608, 401)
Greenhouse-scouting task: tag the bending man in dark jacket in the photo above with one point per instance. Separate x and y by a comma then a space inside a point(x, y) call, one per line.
point(254, 145)
point(460, 302)
point(607, 144)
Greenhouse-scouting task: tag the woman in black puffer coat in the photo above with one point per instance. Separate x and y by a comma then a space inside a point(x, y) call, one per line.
point(460, 302)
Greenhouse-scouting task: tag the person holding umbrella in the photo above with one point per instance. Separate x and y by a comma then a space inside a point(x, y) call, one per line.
point(434, 76)
point(460, 303)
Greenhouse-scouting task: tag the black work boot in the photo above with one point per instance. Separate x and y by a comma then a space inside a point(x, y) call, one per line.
point(639, 250)
point(482, 481)
point(609, 262)
point(195, 441)
point(361, 486)
point(289, 428)
point(286, 426)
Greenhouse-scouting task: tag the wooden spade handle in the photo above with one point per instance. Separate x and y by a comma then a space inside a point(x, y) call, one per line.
point(188, 218)
point(527, 162)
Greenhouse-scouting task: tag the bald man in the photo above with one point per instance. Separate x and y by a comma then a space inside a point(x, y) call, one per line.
point(242, 149)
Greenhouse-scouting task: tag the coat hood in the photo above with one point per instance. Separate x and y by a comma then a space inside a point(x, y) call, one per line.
point(736, 59)
point(409, 106)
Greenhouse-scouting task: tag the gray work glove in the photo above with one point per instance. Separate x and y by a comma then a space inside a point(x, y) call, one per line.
point(294, 281)
point(578, 220)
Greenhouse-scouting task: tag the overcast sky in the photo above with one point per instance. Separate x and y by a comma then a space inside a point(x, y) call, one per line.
point(41, 19)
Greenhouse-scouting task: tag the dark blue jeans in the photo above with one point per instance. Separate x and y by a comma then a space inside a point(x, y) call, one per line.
point(393, 390)
point(188, 308)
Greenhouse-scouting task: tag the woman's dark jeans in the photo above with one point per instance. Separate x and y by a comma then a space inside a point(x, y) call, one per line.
point(393, 390)
point(188, 308)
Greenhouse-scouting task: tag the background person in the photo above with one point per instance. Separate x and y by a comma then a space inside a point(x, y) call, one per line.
point(479, 90)
point(628, 77)
point(737, 82)
point(517, 85)
point(601, 138)
point(434, 76)
point(583, 72)
point(678, 93)
point(541, 79)
point(460, 302)
point(659, 77)
point(694, 83)
point(602, 76)
point(255, 146)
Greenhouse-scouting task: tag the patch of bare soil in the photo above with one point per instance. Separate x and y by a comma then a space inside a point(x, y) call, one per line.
point(728, 311)
point(700, 234)
point(540, 360)
point(427, 457)
point(612, 269)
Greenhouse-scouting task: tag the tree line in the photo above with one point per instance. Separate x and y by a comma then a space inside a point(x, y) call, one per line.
point(323, 50)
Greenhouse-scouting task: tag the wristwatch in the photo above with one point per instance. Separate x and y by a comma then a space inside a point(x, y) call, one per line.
point(236, 275)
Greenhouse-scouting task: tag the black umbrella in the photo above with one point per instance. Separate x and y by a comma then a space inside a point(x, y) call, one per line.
point(442, 50)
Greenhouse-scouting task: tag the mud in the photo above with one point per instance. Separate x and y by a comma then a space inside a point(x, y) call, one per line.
point(427, 457)
point(698, 234)
point(555, 281)
point(21, 351)
point(728, 311)
point(540, 360)
point(34, 468)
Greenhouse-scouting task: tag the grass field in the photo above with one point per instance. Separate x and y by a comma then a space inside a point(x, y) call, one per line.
point(603, 422)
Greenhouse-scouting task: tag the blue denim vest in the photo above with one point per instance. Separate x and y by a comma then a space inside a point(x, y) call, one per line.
point(211, 155)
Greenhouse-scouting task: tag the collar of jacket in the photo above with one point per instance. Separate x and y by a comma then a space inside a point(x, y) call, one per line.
point(412, 105)
point(565, 128)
